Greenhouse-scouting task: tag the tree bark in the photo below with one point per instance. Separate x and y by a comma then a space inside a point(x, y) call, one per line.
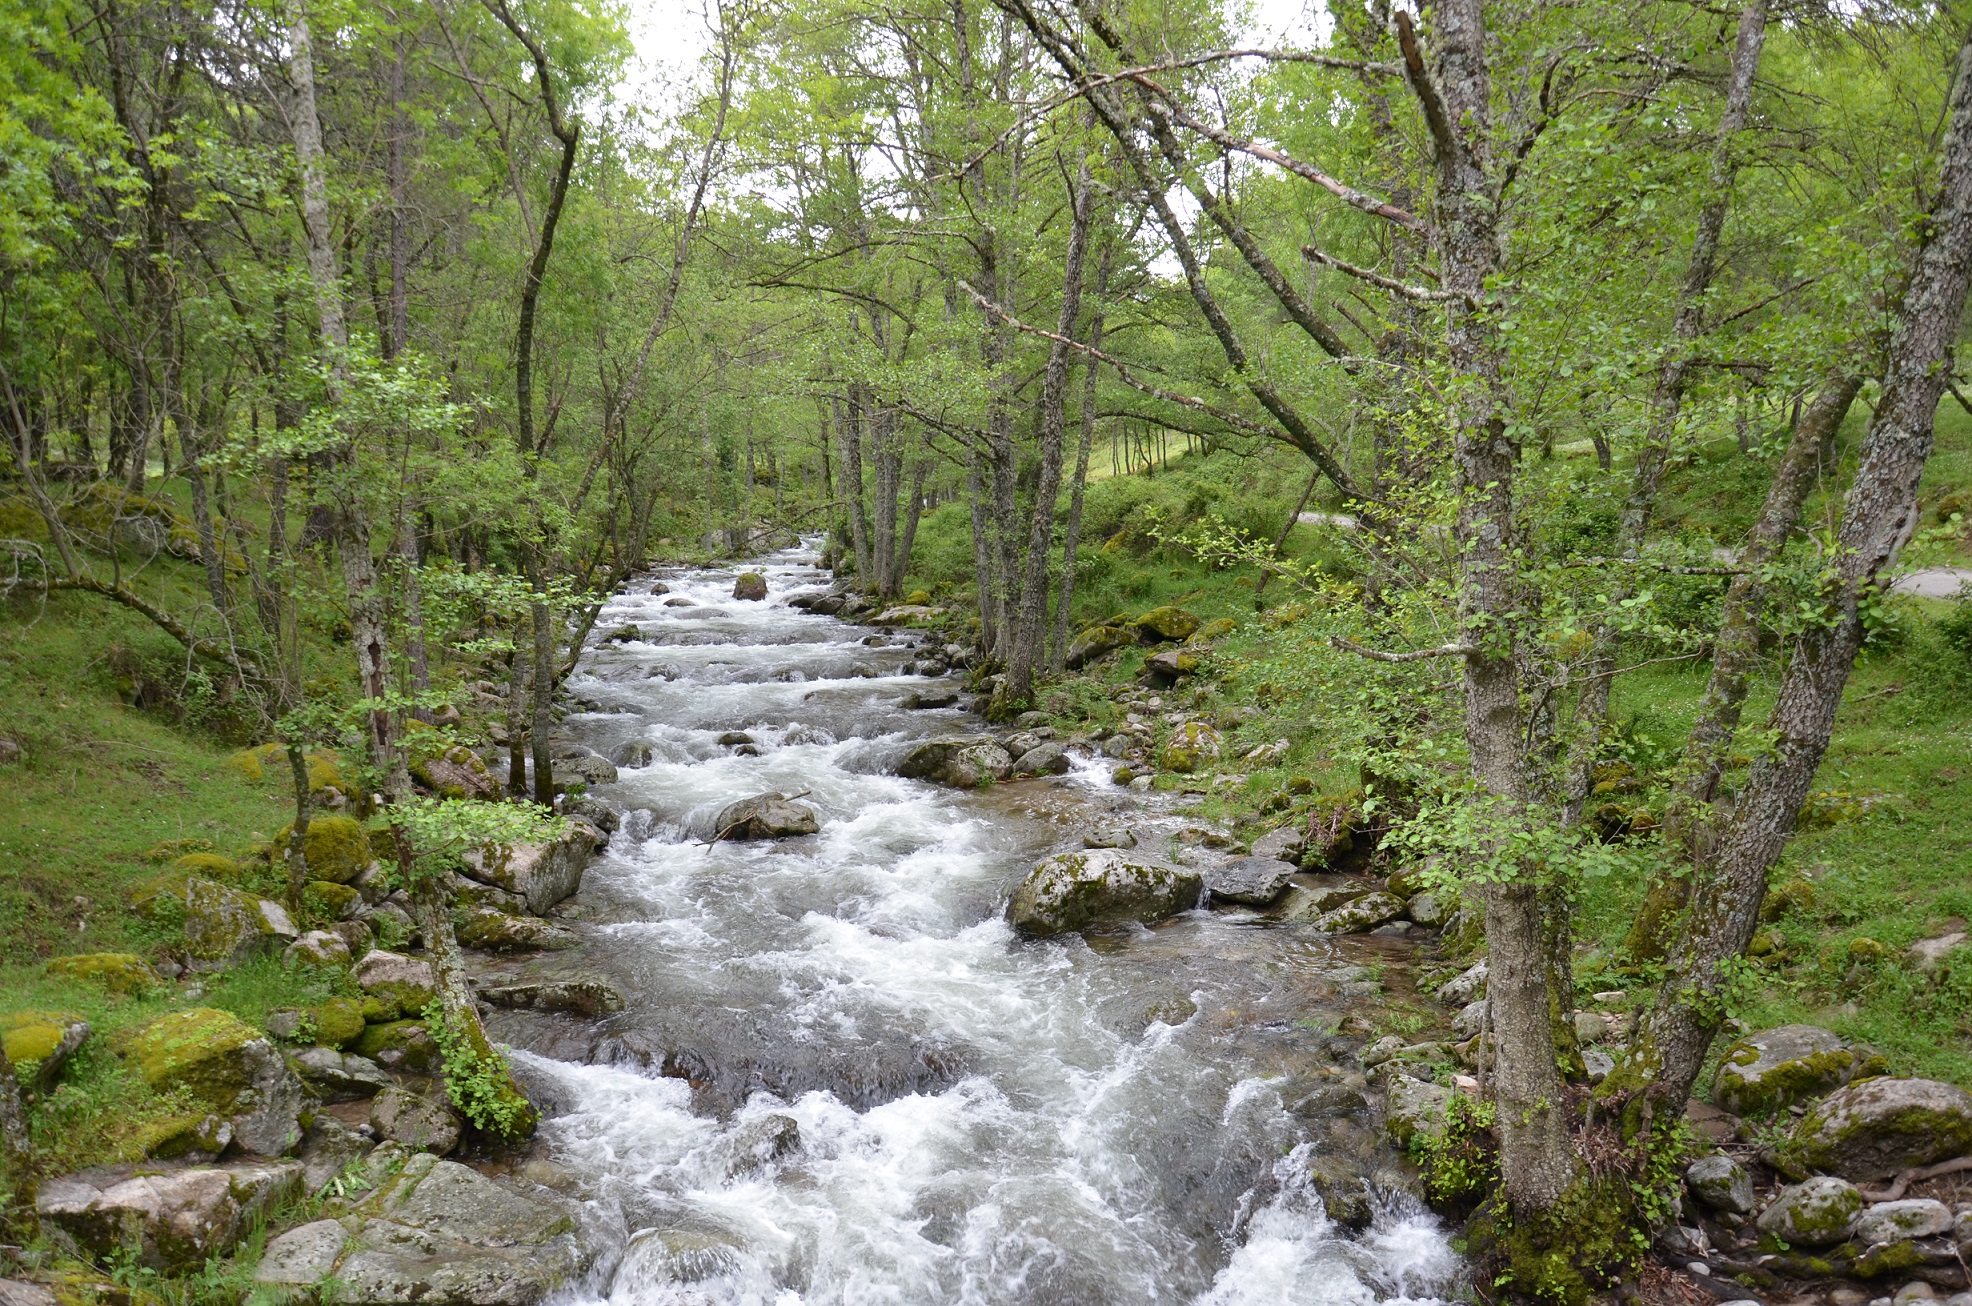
point(1729, 887)
point(1072, 530)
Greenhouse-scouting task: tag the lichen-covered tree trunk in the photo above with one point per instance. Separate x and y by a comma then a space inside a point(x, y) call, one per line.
point(295, 855)
point(1729, 885)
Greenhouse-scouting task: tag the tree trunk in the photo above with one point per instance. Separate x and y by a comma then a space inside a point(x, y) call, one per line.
point(850, 423)
point(1071, 539)
point(1729, 886)
point(295, 855)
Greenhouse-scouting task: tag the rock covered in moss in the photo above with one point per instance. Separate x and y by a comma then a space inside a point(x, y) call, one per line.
point(906, 614)
point(405, 1046)
point(325, 900)
point(771, 815)
point(398, 983)
point(222, 1061)
point(541, 874)
point(172, 1219)
point(1876, 1127)
point(751, 587)
point(1898, 1221)
point(1427, 909)
point(1217, 628)
point(1774, 1068)
point(1255, 881)
point(1071, 891)
point(1167, 668)
point(40, 1043)
point(582, 995)
point(456, 772)
point(317, 948)
point(1721, 1183)
point(123, 973)
point(337, 1021)
point(1166, 624)
point(1360, 914)
point(962, 762)
point(337, 848)
point(209, 866)
point(498, 931)
point(1413, 1108)
point(225, 926)
point(1818, 1213)
point(1097, 641)
point(1190, 745)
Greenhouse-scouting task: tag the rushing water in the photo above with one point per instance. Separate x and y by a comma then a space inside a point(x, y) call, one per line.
point(842, 1078)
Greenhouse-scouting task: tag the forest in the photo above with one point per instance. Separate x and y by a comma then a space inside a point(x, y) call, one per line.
point(998, 651)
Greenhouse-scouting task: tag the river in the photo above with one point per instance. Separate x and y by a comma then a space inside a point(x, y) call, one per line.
point(842, 1078)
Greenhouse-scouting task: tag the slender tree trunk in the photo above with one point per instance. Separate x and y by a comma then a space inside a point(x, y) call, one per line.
point(1729, 887)
point(1072, 531)
point(296, 856)
point(1030, 625)
point(907, 539)
point(851, 426)
point(517, 719)
point(399, 336)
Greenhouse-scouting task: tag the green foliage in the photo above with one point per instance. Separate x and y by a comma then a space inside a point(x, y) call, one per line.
point(1460, 1165)
point(477, 1080)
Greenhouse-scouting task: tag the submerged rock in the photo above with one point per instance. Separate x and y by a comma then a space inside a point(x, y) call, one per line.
point(1071, 891)
point(1775, 1068)
point(1872, 1129)
point(1110, 836)
point(765, 816)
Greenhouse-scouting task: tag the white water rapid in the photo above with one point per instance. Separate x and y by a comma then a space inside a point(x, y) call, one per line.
point(842, 1078)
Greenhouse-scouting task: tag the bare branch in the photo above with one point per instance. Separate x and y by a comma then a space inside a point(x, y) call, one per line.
point(1415, 655)
point(1408, 291)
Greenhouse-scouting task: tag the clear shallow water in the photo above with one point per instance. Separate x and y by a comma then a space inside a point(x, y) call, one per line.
point(843, 1079)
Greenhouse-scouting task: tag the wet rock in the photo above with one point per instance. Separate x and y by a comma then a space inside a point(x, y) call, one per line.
point(595, 811)
point(329, 1149)
point(1428, 910)
point(1721, 1183)
point(1412, 1107)
point(931, 698)
point(543, 874)
point(1285, 844)
point(1915, 1217)
point(750, 587)
point(634, 754)
point(686, 1253)
point(1253, 880)
point(627, 633)
point(423, 1122)
point(1361, 915)
point(589, 768)
point(1464, 987)
point(169, 1219)
point(1872, 1129)
point(339, 1076)
point(1191, 745)
point(1045, 758)
point(1097, 641)
point(962, 762)
point(1109, 836)
point(1775, 1068)
point(497, 931)
point(1818, 1213)
point(1343, 1186)
point(764, 1141)
point(680, 601)
point(1165, 624)
point(1071, 891)
point(229, 1066)
point(316, 948)
point(766, 816)
point(589, 997)
point(399, 984)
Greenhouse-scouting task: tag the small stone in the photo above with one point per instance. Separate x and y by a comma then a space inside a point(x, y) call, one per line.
point(1914, 1291)
point(1464, 987)
point(1591, 1026)
point(1109, 836)
point(1721, 1183)
point(1927, 953)
point(1380, 1051)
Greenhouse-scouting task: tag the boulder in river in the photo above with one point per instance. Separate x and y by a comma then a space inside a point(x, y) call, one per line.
point(1109, 836)
point(1775, 1068)
point(590, 768)
point(932, 698)
point(1360, 914)
point(1256, 881)
point(170, 1217)
point(1045, 758)
point(963, 762)
point(750, 587)
point(581, 996)
point(1070, 891)
point(771, 815)
point(1818, 1213)
point(627, 633)
point(497, 931)
point(1876, 1127)
point(542, 874)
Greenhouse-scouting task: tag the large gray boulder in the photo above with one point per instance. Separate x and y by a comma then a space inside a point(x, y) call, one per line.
point(1412, 1108)
point(963, 762)
point(1255, 881)
point(423, 1122)
point(229, 1066)
point(339, 1076)
point(1817, 1213)
point(771, 815)
point(590, 768)
point(541, 873)
point(1070, 891)
point(1721, 1183)
point(582, 996)
point(225, 926)
point(496, 931)
point(1463, 987)
point(1044, 758)
point(439, 1234)
point(404, 986)
point(1912, 1217)
point(1286, 844)
point(167, 1218)
point(1775, 1068)
point(1872, 1129)
point(1362, 914)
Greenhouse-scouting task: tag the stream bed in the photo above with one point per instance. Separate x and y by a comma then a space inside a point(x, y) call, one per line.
point(841, 1077)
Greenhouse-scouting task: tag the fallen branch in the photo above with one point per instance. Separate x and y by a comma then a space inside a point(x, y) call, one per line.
point(1916, 1175)
point(1415, 655)
point(241, 661)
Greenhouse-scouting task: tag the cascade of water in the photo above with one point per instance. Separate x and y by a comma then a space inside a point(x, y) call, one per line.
point(841, 1077)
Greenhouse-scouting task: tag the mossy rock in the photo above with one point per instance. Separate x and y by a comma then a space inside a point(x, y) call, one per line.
point(203, 1050)
point(1775, 1068)
point(123, 973)
point(338, 1022)
point(1191, 744)
point(1166, 623)
point(337, 847)
point(325, 900)
point(917, 598)
point(175, 848)
point(185, 1133)
point(162, 897)
point(31, 1036)
point(1217, 628)
point(210, 866)
point(402, 1045)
